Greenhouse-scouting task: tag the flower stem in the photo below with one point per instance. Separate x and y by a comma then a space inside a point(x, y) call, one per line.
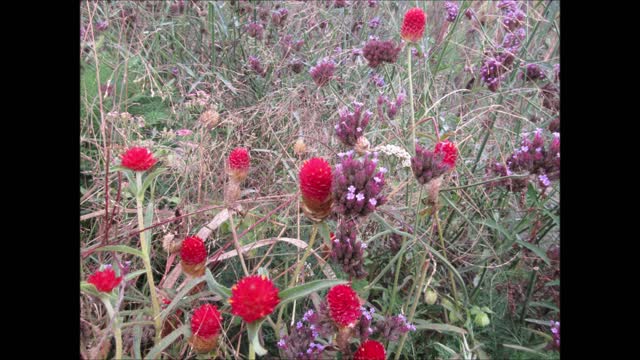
point(252, 352)
point(237, 245)
point(314, 231)
point(444, 253)
point(146, 260)
point(413, 115)
point(117, 333)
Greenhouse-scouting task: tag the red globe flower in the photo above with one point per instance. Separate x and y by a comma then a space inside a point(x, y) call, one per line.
point(253, 298)
point(239, 162)
point(344, 305)
point(138, 159)
point(315, 184)
point(205, 327)
point(205, 321)
point(370, 350)
point(104, 280)
point(413, 24)
point(449, 150)
point(194, 255)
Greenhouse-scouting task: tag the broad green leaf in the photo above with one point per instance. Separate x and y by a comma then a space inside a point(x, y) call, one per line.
point(252, 332)
point(168, 340)
point(121, 248)
point(306, 289)
point(180, 295)
point(425, 325)
point(221, 290)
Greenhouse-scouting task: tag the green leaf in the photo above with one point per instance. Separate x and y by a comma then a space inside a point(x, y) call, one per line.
point(149, 178)
point(555, 282)
point(179, 296)
point(539, 322)
point(89, 289)
point(522, 348)
point(537, 250)
point(134, 274)
point(121, 248)
point(306, 289)
point(137, 338)
point(252, 332)
point(168, 340)
point(425, 325)
point(221, 290)
point(148, 220)
point(544, 305)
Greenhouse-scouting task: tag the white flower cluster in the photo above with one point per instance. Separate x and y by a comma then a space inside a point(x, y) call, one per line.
point(396, 151)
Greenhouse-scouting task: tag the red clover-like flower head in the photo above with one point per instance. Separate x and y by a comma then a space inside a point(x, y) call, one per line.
point(253, 298)
point(138, 159)
point(370, 350)
point(344, 305)
point(315, 185)
point(105, 280)
point(413, 24)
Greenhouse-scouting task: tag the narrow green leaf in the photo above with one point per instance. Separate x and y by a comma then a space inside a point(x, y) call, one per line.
point(252, 332)
point(180, 295)
point(221, 290)
point(425, 325)
point(134, 274)
point(537, 250)
point(149, 178)
point(121, 248)
point(306, 289)
point(148, 219)
point(555, 282)
point(539, 322)
point(522, 348)
point(168, 340)
point(544, 305)
point(137, 338)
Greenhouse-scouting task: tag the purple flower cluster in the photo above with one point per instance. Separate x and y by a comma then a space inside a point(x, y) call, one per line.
point(392, 327)
point(536, 159)
point(255, 30)
point(377, 79)
point(392, 106)
point(363, 329)
point(288, 44)
point(323, 71)
point(427, 165)
point(352, 124)
point(357, 186)
point(321, 321)
point(533, 72)
point(377, 52)
point(468, 13)
point(300, 343)
point(501, 170)
point(555, 333)
point(452, 11)
point(279, 16)
point(374, 23)
point(498, 62)
point(296, 65)
point(372, 3)
point(256, 65)
point(348, 251)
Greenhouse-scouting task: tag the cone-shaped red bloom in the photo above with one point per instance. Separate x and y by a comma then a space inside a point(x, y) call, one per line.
point(205, 321)
point(138, 159)
point(104, 280)
point(253, 298)
point(193, 250)
point(370, 350)
point(239, 159)
point(344, 305)
point(413, 24)
point(239, 162)
point(315, 179)
point(449, 150)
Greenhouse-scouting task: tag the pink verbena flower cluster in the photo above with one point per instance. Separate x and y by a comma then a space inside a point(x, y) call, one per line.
point(357, 185)
point(352, 124)
point(348, 251)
